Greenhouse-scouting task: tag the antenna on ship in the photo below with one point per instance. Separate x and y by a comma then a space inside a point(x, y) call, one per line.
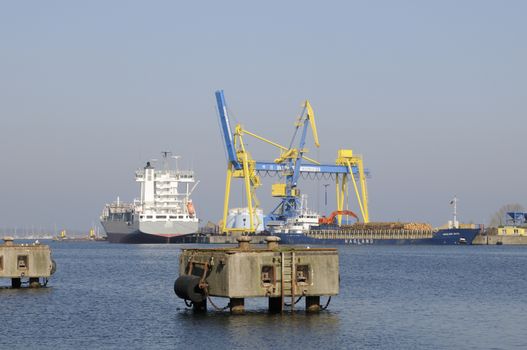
point(176, 158)
point(454, 202)
point(165, 155)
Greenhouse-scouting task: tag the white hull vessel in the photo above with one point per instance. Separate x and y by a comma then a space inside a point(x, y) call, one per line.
point(163, 213)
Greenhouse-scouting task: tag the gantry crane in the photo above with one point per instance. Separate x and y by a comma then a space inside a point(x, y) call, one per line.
point(291, 164)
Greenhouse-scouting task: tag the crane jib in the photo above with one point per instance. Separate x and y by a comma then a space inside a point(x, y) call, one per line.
point(226, 129)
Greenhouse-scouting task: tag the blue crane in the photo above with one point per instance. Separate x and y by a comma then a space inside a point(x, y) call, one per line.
point(292, 163)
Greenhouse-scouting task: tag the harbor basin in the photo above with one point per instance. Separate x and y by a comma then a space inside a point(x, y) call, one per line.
point(391, 297)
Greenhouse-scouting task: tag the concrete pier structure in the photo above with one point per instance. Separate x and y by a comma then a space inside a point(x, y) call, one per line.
point(283, 274)
point(21, 262)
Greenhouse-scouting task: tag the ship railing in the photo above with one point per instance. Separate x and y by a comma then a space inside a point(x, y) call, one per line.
point(182, 174)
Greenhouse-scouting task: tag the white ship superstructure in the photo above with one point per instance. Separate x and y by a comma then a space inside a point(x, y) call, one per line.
point(163, 211)
point(165, 207)
point(304, 219)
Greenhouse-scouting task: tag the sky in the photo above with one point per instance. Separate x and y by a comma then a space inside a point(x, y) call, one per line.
point(432, 93)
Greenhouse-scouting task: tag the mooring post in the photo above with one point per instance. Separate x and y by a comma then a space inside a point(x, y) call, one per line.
point(312, 303)
point(272, 242)
point(8, 241)
point(237, 305)
point(244, 242)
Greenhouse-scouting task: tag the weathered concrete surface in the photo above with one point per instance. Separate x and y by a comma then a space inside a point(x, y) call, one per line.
point(25, 260)
point(497, 239)
point(282, 271)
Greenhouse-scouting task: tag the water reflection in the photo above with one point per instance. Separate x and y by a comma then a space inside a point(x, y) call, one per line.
point(260, 329)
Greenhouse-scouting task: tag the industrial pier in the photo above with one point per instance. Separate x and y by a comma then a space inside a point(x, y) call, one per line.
point(282, 274)
point(31, 261)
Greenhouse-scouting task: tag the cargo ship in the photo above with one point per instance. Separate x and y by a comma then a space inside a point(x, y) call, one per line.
point(163, 214)
point(387, 233)
point(303, 229)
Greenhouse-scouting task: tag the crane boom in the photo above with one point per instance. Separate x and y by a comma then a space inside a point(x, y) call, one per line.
point(226, 129)
point(311, 118)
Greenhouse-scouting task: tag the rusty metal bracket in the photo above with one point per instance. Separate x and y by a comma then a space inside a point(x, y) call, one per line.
point(206, 266)
point(202, 283)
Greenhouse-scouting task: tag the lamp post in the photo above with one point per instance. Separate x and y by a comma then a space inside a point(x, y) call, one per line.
point(325, 199)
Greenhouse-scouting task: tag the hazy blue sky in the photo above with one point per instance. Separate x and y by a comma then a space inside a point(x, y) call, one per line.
point(432, 93)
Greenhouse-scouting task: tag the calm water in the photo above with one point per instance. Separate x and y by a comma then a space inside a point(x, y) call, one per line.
point(401, 297)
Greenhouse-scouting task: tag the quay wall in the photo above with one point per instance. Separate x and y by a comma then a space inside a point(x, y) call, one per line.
point(498, 239)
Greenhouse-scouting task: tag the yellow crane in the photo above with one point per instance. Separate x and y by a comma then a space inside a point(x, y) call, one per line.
point(289, 163)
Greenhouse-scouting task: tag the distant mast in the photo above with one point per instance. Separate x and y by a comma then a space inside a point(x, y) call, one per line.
point(166, 155)
point(454, 202)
